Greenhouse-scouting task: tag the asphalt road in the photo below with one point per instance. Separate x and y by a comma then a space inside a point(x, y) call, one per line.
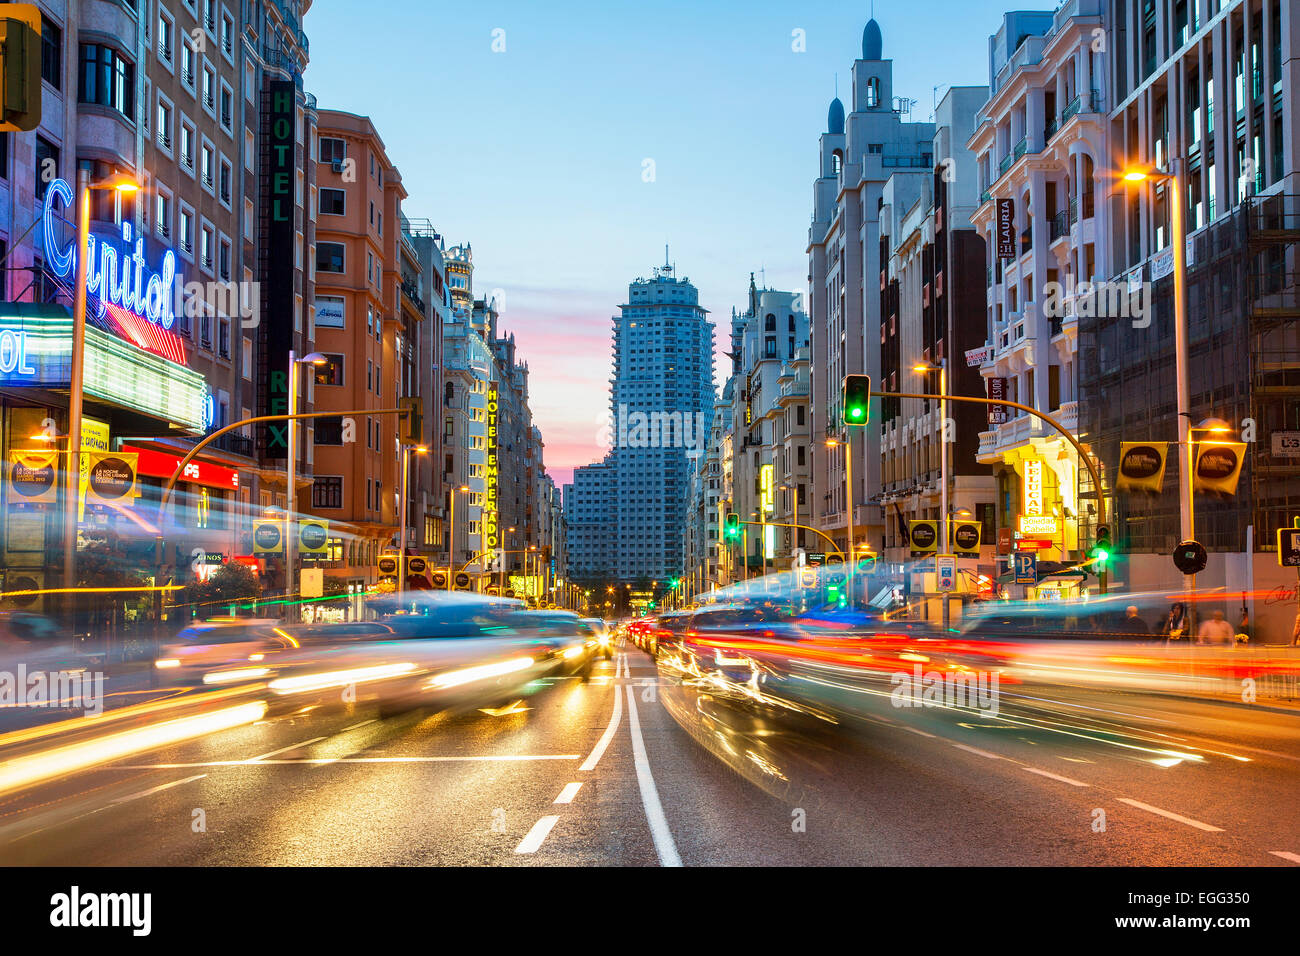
point(604, 773)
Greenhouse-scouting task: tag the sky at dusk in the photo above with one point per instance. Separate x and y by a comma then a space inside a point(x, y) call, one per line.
point(535, 155)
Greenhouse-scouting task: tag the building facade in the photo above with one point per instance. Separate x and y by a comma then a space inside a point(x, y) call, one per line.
point(858, 153)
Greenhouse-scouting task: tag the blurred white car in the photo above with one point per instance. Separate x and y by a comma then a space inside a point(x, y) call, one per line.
point(223, 651)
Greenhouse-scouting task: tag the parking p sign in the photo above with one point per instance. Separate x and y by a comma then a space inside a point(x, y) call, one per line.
point(1025, 564)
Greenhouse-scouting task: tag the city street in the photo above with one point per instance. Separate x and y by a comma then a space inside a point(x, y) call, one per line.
point(601, 773)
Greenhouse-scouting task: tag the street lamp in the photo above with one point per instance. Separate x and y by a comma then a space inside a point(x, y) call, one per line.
point(451, 536)
point(401, 534)
point(848, 487)
point(1179, 240)
point(925, 368)
point(122, 184)
point(291, 497)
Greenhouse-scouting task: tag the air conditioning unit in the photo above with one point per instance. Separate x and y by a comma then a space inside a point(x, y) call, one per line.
point(337, 166)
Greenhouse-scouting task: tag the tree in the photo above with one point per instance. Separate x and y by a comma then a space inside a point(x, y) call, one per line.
point(229, 583)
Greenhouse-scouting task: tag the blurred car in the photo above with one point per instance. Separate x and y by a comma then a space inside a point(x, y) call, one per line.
point(446, 651)
point(41, 643)
point(223, 651)
point(666, 630)
point(604, 635)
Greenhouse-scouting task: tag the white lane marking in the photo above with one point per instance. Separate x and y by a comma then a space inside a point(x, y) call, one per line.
point(276, 753)
point(1055, 776)
point(160, 788)
point(654, 811)
point(372, 720)
point(978, 752)
point(1170, 815)
point(568, 793)
point(1293, 857)
point(324, 760)
point(921, 733)
point(599, 750)
point(533, 841)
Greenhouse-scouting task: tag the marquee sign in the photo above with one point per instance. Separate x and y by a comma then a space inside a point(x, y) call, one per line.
point(491, 537)
point(157, 464)
point(1033, 487)
point(36, 350)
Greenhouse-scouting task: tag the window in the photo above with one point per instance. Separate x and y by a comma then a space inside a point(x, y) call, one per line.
point(330, 312)
point(329, 431)
point(164, 126)
point(207, 162)
point(47, 165)
point(333, 150)
point(248, 362)
point(209, 89)
point(228, 36)
point(227, 106)
point(331, 371)
point(223, 260)
point(329, 256)
point(326, 490)
point(187, 147)
point(51, 53)
point(163, 217)
point(224, 180)
point(333, 202)
point(108, 79)
point(185, 230)
point(187, 66)
point(165, 28)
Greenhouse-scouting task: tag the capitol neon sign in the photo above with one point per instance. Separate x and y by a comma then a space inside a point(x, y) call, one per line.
point(119, 277)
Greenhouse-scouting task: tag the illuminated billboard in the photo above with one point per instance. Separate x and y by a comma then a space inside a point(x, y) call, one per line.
point(36, 350)
point(491, 473)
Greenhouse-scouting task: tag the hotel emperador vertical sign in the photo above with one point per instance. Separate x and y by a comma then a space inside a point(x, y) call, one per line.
point(491, 533)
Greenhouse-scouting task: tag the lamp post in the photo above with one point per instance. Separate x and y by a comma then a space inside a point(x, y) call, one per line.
point(501, 566)
point(848, 493)
point(925, 368)
point(1179, 241)
point(1215, 426)
point(72, 490)
point(401, 534)
point(451, 536)
point(291, 497)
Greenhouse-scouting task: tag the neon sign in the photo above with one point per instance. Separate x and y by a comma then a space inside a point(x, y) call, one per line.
point(116, 277)
point(13, 353)
point(491, 538)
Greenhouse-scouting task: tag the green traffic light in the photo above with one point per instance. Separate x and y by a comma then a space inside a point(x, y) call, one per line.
point(1102, 555)
point(856, 412)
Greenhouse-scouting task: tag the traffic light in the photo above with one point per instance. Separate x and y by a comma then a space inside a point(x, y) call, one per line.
point(1103, 549)
point(411, 416)
point(731, 527)
point(20, 67)
point(857, 399)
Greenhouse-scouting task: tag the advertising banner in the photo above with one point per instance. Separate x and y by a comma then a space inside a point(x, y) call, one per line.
point(924, 535)
point(1142, 466)
point(34, 476)
point(966, 537)
point(112, 478)
point(1005, 226)
point(1218, 466)
point(268, 536)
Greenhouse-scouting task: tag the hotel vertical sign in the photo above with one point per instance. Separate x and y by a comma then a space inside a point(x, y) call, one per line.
point(278, 165)
point(491, 533)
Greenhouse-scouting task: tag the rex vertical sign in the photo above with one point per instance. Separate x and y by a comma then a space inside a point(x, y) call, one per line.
point(278, 163)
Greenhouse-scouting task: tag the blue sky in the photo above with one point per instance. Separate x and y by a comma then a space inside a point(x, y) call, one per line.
point(535, 155)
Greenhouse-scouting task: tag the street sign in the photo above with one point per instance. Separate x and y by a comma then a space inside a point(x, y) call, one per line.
point(1190, 557)
point(1025, 565)
point(945, 567)
point(1288, 547)
point(1034, 544)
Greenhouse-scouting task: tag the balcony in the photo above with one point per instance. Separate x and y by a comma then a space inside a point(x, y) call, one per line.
point(410, 289)
point(1022, 147)
point(986, 196)
point(1072, 110)
point(1003, 166)
point(1060, 227)
point(1067, 416)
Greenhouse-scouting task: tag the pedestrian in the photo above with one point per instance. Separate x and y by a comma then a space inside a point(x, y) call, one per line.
point(1175, 622)
point(1133, 625)
point(1216, 631)
point(1295, 631)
